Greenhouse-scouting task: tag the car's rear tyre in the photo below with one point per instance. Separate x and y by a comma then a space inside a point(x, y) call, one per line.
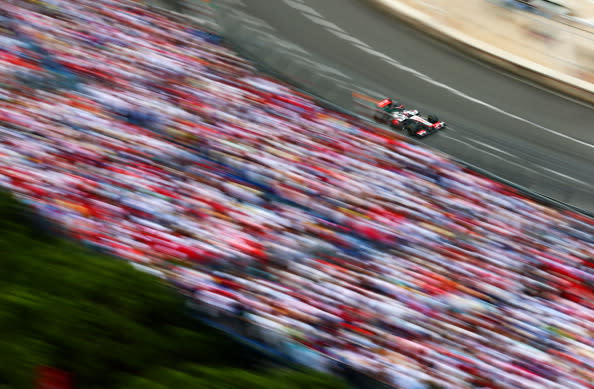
point(432, 119)
point(380, 116)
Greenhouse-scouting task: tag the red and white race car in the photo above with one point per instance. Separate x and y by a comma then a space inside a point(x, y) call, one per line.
point(407, 120)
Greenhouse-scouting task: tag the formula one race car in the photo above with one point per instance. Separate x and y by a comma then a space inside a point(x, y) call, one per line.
point(399, 118)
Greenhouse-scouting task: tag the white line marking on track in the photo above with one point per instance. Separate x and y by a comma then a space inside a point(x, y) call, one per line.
point(342, 34)
point(515, 163)
point(367, 48)
point(492, 147)
point(324, 23)
point(490, 153)
point(526, 81)
point(568, 177)
point(305, 9)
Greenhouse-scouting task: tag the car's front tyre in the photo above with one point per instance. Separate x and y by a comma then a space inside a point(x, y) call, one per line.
point(410, 129)
point(432, 119)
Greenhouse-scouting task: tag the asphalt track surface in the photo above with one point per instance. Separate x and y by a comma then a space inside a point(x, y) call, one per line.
point(516, 130)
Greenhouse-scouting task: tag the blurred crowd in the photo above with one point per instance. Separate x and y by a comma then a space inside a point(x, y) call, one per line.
point(146, 138)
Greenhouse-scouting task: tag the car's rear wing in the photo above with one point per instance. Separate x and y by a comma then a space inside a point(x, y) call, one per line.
point(383, 103)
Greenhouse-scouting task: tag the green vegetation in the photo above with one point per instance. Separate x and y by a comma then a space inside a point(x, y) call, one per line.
point(107, 324)
point(223, 378)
